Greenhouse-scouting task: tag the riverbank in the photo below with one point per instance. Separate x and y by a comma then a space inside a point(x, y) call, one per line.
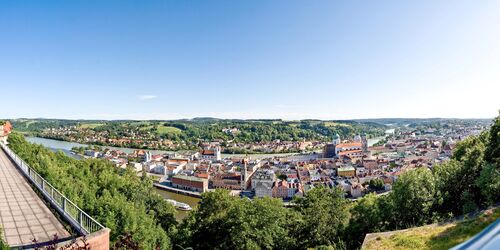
point(176, 190)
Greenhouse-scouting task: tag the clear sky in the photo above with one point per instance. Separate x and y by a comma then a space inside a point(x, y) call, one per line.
point(249, 59)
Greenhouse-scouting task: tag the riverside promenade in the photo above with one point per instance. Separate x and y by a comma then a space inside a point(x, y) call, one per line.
point(23, 214)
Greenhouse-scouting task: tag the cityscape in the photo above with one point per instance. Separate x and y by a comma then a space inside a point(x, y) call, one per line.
point(323, 125)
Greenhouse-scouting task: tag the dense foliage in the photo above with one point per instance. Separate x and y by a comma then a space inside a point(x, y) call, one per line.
point(3, 245)
point(323, 218)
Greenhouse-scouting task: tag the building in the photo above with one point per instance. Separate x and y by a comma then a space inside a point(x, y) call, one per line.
point(294, 189)
point(346, 172)
point(211, 153)
point(280, 189)
point(348, 147)
point(227, 181)
point(5, 129)
point(147, 156)
point(329, 149)
point(190, 183)
point(356, 190)
point(262, 182)
point(91, 153)
point(336, 139)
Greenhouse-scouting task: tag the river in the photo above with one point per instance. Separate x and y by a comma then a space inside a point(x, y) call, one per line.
point(191, 201)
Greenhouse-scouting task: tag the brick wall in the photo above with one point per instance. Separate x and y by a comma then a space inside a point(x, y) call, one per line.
point(95, 241)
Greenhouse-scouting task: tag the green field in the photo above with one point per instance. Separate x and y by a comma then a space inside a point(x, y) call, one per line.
point(433, 236)
point(91, 125)
point(161, 129)
point(140, 123)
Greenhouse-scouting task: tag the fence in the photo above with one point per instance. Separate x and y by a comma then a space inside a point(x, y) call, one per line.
point(78, 219)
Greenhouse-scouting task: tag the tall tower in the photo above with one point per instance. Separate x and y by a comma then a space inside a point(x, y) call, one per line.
point(364, 143)
point(336, 139)
point(244, 174)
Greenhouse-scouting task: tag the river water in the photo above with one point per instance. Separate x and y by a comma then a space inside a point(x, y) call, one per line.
point(191, 201)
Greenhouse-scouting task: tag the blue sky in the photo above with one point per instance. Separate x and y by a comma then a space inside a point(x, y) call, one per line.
point(249, 59)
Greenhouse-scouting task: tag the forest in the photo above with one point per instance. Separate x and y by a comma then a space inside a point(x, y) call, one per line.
point(323, 218)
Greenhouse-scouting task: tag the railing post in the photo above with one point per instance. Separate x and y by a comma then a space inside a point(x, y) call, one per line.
point(80, 220)
point(63, 204)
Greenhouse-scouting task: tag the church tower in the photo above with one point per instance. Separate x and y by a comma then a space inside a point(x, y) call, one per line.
point(336, 139)
point(244, 174)
point(364, 143)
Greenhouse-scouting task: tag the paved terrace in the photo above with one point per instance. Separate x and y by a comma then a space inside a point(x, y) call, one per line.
point(23, 215)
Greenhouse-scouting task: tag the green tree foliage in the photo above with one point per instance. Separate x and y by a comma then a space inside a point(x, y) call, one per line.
point(469, 180)
point(366, 217)
point(117, 198)
point(492, 154)
point(413, 195)
point(325, 216)
point(489, 183)
point(376, 184)
point(3, 245)
point(223, 221)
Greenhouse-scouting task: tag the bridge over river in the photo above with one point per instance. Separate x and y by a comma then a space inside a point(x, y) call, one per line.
point(25, 215)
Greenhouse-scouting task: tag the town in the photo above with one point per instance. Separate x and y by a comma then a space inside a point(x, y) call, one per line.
point(234, 136)
point(349, 163)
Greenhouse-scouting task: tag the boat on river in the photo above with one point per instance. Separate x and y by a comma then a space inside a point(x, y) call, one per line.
point(179, 205)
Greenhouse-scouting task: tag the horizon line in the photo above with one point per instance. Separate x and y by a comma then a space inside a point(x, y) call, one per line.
point(248, 119)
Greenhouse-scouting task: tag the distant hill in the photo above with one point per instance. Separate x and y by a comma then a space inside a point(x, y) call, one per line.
point(406, 121)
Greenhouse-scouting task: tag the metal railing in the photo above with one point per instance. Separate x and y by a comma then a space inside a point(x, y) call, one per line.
point(76, 217)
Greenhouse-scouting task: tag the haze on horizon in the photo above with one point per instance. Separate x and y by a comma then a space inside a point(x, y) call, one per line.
point(249, 59)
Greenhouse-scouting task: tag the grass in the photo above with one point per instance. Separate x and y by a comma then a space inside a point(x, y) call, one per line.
point(434, 236)
point(161, 129)
point(91, 125)
point(167, 130)
point(139, 123)
point(336, 124)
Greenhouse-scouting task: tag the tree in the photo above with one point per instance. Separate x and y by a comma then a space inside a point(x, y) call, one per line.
point(223, 221)
point(413, 195)
point(325, 215)
point(376, 184)
point(449, 187)
point(492, 153)
point(489, 183)
point(366, 217)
